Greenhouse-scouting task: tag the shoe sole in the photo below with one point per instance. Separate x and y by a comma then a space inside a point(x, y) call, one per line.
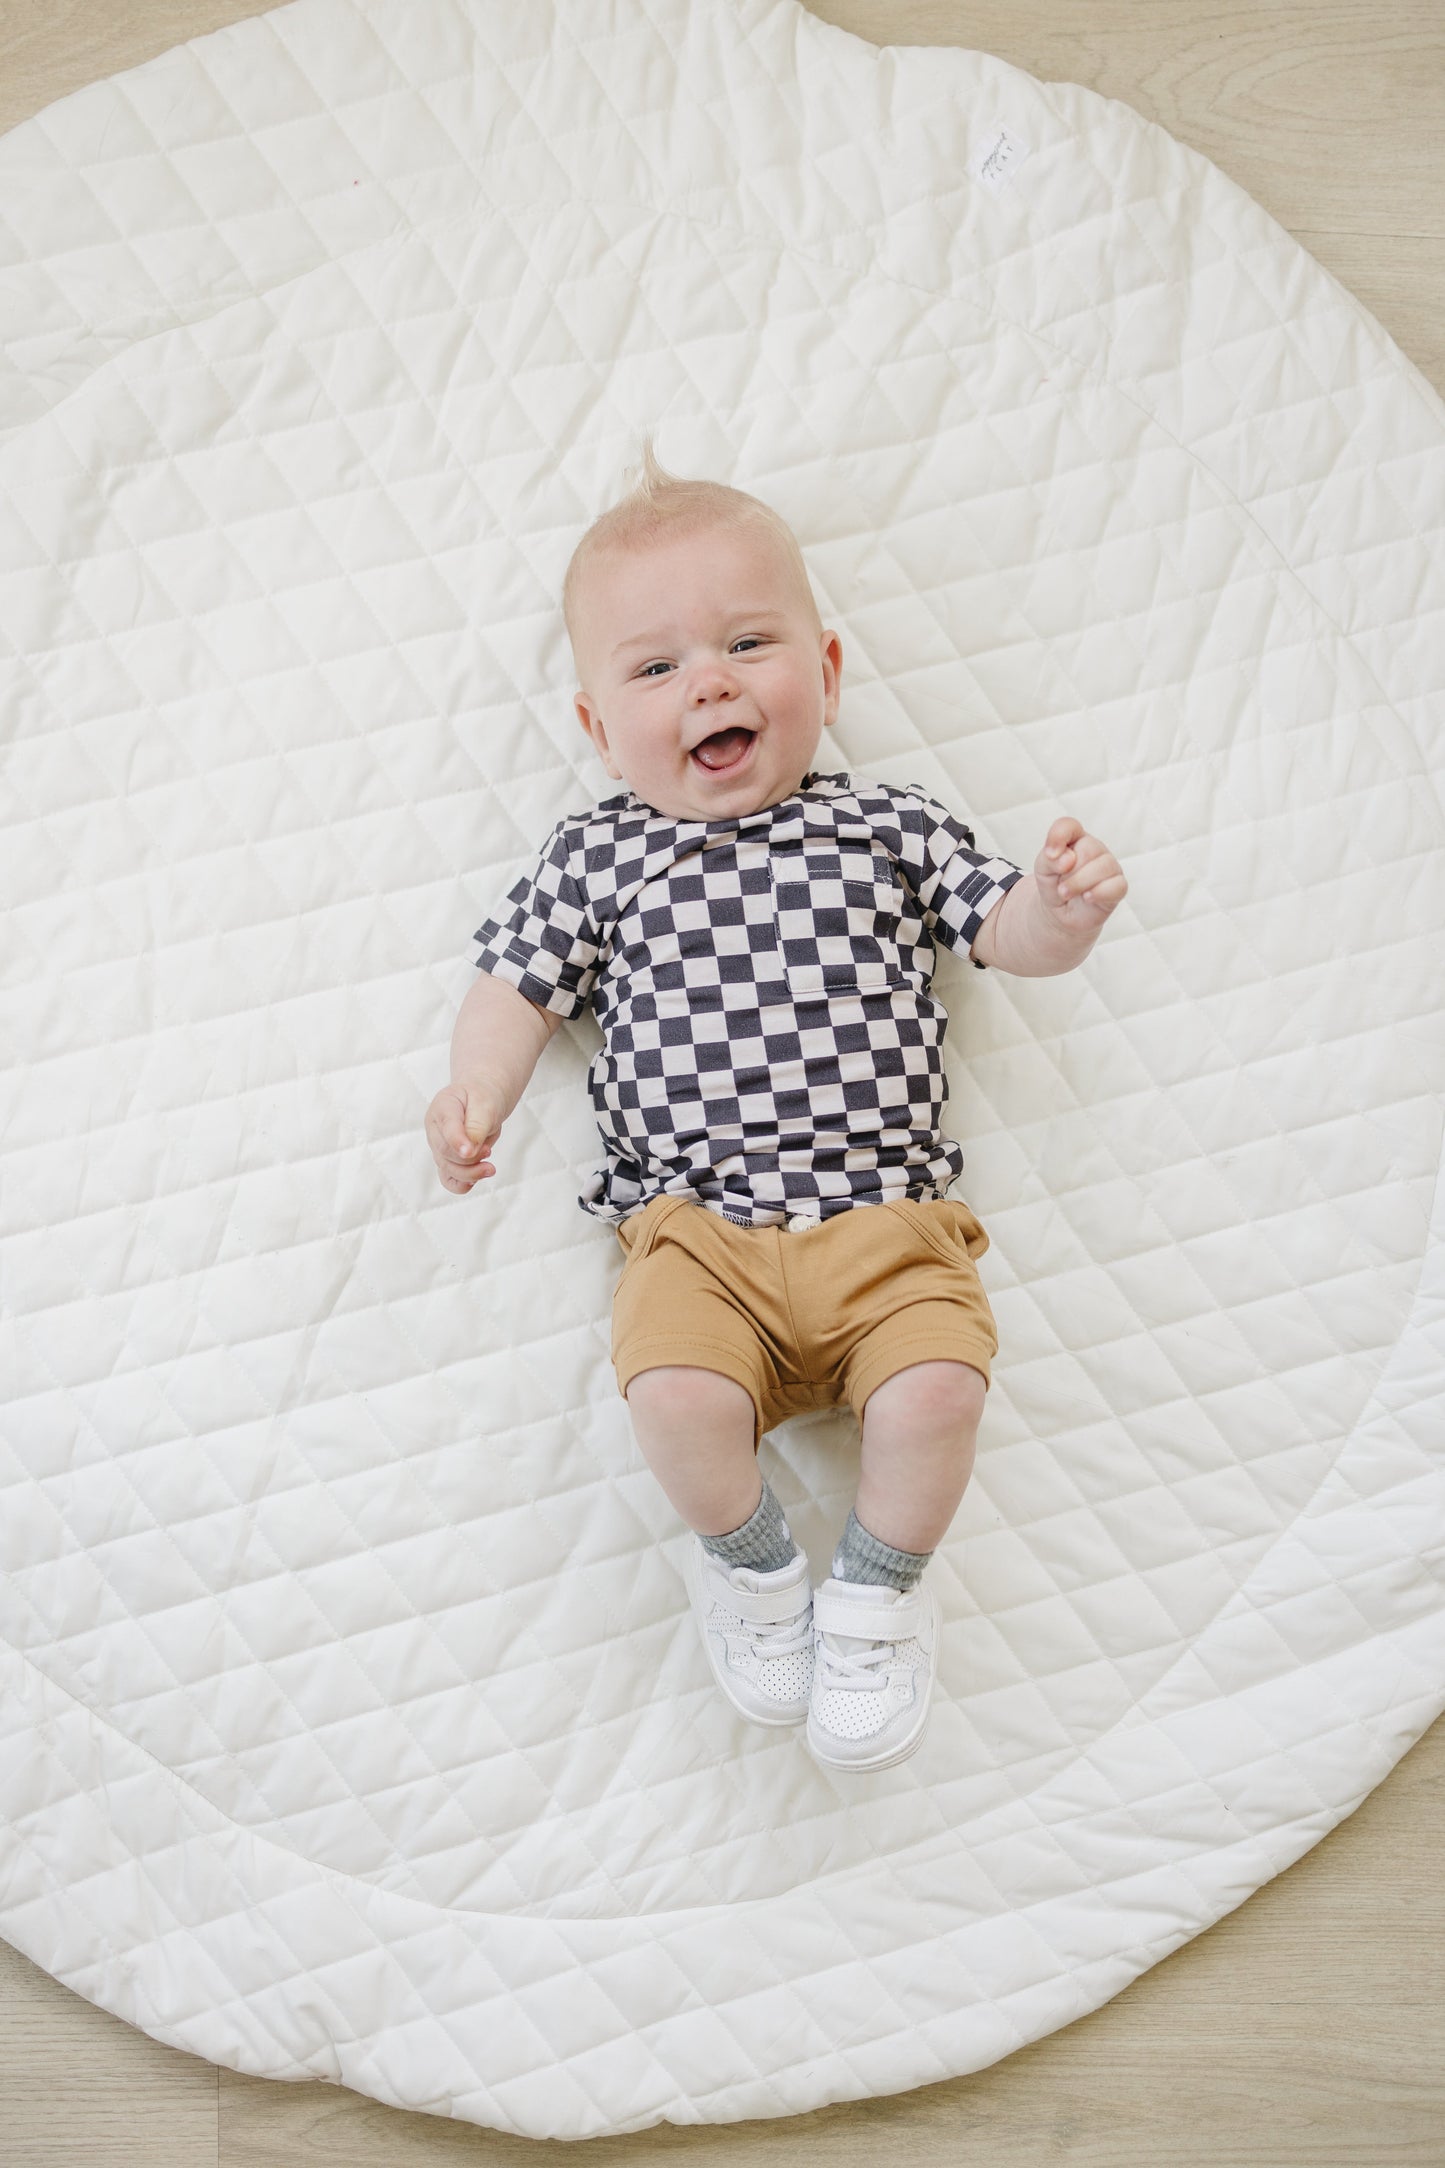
point(906, 1746)
point(701, 1602)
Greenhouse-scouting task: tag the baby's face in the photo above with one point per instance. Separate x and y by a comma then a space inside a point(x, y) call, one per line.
point(704, 636)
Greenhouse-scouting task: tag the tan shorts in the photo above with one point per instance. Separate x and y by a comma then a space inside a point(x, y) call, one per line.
point(802, 1319)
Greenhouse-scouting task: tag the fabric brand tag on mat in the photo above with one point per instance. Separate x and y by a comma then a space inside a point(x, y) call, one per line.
point(999, 159)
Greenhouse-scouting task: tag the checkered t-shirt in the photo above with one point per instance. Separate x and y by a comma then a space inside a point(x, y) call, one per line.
point(771, 1049)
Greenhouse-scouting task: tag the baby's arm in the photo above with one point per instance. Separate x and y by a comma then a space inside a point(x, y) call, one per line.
point(1049, 921)
point(496, 1043)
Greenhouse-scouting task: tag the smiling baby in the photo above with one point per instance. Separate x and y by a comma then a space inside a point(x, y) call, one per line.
point(757, 941)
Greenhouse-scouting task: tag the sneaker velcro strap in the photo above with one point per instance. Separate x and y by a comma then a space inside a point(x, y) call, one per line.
point(768, 1606)
point(882, 1622)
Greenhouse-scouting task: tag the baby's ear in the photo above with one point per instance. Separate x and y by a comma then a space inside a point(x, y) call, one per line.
point(587, 713)
point(589, 716)
point(831, 655)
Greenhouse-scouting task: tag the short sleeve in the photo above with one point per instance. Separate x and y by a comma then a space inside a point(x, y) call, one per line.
point(956, 884)
point(543, 938)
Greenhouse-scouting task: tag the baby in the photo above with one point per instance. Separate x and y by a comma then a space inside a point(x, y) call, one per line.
point(757, 941)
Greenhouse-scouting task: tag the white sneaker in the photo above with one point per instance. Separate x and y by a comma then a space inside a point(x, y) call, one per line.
point(757, 1629)
point(876, 1656)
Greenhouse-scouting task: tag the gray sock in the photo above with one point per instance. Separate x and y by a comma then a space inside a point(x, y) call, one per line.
point(861, 1557)
point(764, 1542)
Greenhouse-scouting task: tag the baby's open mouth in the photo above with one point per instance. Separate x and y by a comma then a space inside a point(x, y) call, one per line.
point(724, 749)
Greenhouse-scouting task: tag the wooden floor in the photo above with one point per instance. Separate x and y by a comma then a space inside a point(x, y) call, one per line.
point(1307, 2030)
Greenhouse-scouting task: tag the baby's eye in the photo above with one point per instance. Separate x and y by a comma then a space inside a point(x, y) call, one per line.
point(749, 639)
point(648, 668)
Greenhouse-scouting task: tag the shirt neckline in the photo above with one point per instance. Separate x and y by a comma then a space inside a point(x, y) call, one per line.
point(727, 820)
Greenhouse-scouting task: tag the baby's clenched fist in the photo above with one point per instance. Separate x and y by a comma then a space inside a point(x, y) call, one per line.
point(1078, 877)
point(463, 1122)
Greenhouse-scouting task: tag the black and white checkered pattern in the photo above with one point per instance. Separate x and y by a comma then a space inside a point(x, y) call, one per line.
point(770, 1045)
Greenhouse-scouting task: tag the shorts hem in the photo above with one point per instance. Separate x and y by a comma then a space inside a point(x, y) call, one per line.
point(922, 1348)
point(697, 1354)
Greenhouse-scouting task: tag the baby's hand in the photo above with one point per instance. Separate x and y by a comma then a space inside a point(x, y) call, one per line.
point(463, 1122)
point(1078, 877)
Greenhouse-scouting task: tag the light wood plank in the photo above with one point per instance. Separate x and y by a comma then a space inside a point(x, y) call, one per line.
point(79, 2086)
point(49, 48)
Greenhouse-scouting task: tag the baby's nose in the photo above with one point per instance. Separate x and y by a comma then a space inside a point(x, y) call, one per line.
point(712, 685)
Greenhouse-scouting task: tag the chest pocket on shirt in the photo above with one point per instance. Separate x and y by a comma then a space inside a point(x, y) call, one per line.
point(838, 905)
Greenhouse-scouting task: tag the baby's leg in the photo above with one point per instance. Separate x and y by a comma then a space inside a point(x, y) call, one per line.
point(695, 1429)
point(919, 1431)
point(877, 1632)
point(747, 1581)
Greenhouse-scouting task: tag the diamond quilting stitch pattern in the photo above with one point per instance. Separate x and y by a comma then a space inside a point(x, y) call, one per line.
point(338, 1594)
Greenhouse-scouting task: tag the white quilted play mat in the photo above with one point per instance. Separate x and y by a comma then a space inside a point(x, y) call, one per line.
point(355, 1725)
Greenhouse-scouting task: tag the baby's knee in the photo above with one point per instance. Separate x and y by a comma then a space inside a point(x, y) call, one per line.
point(932, 1397)
point(681, 1393)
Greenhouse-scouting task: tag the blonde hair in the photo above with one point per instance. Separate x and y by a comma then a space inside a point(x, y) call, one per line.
point(659, 503)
